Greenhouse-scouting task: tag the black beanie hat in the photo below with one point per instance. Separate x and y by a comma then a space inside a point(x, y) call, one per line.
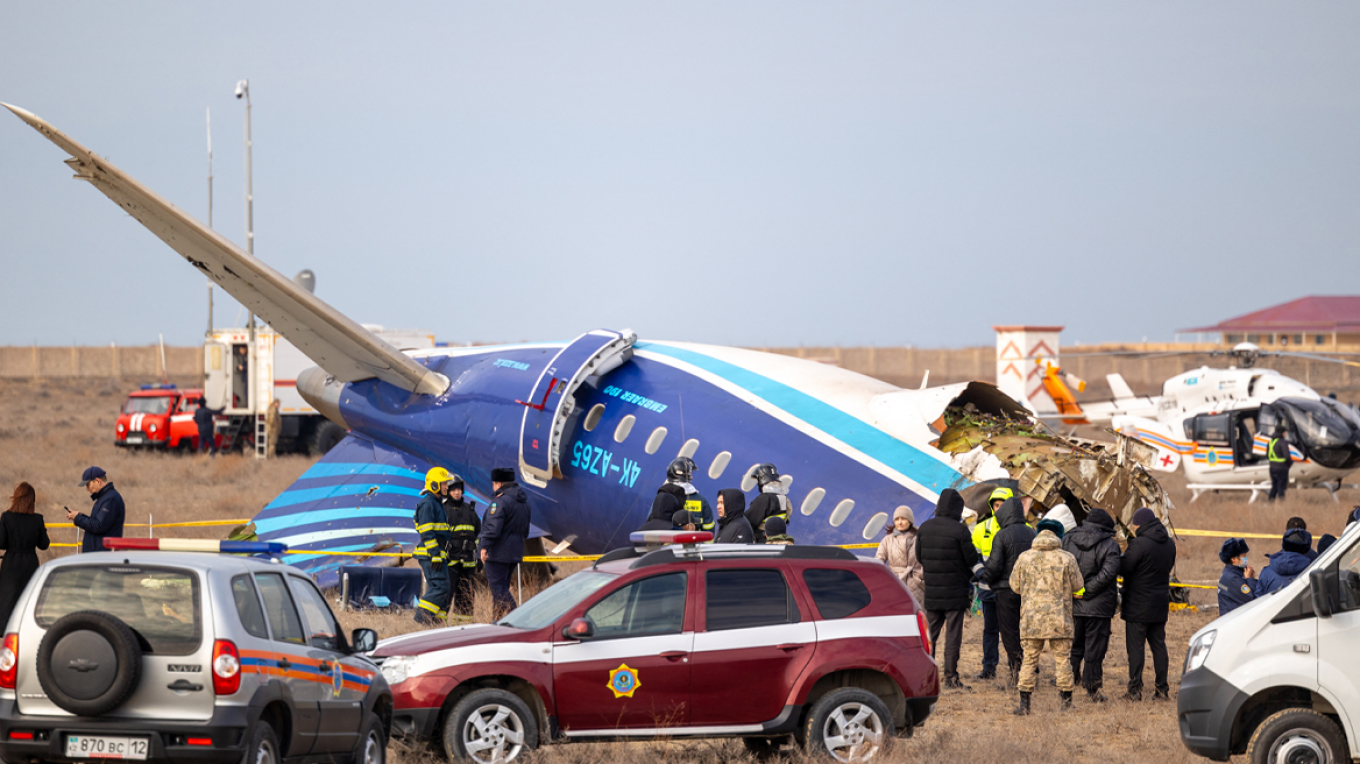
point(775, 527)
point(1232, 548)
point(1326, 541)
point(1298, 540)
point(502, 475)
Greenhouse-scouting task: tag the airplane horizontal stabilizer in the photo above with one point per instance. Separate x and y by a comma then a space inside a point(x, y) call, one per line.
point(337, 344)
point(360, 497)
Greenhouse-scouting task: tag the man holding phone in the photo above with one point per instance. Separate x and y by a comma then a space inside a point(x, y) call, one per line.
point(106, 517)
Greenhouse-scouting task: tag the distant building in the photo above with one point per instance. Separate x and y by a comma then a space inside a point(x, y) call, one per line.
point(1308, 323)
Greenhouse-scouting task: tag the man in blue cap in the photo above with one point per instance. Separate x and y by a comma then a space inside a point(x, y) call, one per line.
point(106, 516)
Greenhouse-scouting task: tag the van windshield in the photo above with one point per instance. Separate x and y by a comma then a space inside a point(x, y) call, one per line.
point(162, 605)
point(551, 603)
point(158, 404)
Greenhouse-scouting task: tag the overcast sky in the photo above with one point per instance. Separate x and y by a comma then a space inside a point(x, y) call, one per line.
point(752, 173)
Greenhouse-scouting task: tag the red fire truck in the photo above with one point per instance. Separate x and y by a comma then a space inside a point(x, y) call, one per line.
point(159, 416)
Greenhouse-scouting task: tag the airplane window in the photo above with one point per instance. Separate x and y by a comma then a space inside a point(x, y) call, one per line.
point(625, 427)
point(691, 446)
point(814, 498)
point(748, 481)
point(875, 525)
point(786, 480)
point(715, 470)
point(593, 417)
point(654, 442)
point(841, 512)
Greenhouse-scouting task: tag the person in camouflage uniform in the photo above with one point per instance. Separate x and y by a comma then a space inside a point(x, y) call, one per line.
point(1047, 579)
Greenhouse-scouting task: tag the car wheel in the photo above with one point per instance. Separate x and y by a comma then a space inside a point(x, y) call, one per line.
point(848, 725)
point(490, 727)
point(89, 662)
point(1297, 736)
point(264, 745)
point(372, 745)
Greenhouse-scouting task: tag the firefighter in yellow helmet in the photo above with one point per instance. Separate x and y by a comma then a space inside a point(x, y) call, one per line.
point(433, 526)
point(987, 527)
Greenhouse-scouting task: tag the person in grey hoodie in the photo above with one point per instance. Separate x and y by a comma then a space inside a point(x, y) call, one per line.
point(1097, 556)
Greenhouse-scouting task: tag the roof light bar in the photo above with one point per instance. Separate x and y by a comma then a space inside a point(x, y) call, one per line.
point(195, 545)
point(647, 541)
point(662, 538)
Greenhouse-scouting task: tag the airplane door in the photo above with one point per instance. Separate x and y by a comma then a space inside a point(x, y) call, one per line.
point(551, 401)
point(216, 374)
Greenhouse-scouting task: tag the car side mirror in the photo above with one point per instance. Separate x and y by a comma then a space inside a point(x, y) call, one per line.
point(1322, 602)
point(364, 640)
point(580, 628)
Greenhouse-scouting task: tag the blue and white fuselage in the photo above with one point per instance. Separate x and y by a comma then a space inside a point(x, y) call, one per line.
point(851, 448)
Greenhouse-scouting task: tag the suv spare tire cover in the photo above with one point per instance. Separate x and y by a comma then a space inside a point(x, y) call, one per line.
point(89, 662)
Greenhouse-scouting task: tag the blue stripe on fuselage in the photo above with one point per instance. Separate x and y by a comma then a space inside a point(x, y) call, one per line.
point(856, 433)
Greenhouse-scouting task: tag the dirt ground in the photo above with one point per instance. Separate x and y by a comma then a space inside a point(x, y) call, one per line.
point(50, 433)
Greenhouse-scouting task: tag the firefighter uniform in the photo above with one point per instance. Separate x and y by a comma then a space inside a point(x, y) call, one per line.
point(464, 527)
point(433, 527)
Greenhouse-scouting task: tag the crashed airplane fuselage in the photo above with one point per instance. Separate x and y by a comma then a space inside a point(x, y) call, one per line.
point(592, 423)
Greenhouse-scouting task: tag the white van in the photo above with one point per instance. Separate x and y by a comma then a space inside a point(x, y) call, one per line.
point(1279, 679)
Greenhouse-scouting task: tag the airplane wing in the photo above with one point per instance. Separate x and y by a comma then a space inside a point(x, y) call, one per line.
point(337, 344)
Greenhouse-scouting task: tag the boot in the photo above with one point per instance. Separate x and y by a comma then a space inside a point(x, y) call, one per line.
point(1066, 700)
point(1096, 696)
point(985, 675)
point(1023, 708)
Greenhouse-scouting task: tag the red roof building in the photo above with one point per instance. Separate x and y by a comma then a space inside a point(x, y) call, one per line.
point(1316, 322)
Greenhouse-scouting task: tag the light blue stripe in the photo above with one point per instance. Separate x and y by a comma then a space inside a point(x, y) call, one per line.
point(298, 519)
point(306, 495)
point(342, 469)
point(856, 433)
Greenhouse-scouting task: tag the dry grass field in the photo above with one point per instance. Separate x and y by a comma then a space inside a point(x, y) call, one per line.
point(49, 433)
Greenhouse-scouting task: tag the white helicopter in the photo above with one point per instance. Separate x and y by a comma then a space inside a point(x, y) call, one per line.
point(1218, 423)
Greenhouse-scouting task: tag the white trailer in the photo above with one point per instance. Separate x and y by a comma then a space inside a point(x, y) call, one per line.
point(243, 384)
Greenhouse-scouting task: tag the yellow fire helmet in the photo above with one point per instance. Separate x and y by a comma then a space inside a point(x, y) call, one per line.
point(1000, 494)
point(435, 477)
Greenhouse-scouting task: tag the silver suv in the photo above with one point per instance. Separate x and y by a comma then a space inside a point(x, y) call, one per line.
point(171, 656)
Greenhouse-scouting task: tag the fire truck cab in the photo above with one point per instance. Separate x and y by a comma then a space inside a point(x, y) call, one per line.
point(159, 416)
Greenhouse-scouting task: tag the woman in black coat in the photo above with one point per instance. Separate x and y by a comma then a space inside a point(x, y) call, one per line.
point(22, 534)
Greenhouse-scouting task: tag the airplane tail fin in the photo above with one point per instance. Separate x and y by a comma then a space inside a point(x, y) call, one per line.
point(336, 343)
point(1119, 387)
point(360, 497)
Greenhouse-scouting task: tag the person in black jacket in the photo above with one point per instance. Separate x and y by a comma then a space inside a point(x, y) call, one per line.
point(505, 528)
point(106, 516)
point(733, 527)
point(664, 507)
point(22, 534)
point(1097, 556)
point(949, 562)
point(203, 417)
point(1008, 544)
point(1146, 568)
point(464, 528)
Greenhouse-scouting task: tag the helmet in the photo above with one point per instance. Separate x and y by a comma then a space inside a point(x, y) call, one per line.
point(455, 480)
point(681, 469)
point(1000, 494)
point(435, 477)
point(765, 473)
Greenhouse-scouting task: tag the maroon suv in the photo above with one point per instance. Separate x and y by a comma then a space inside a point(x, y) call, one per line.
point(698, 640)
